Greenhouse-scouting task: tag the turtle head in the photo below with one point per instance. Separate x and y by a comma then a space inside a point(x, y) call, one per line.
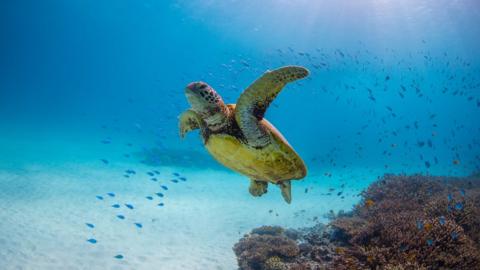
point(202, 97)
point(208, 104)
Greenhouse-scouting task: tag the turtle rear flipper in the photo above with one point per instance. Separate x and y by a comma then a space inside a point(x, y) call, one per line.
point(188, 121)
point(254, 101)
point(286, 188)
point(257, 188)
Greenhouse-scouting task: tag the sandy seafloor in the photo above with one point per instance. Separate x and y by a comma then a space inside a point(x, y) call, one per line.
point(48, 189)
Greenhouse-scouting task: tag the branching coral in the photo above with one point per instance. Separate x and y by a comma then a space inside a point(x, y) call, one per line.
point(265, 248)
point(402, 222)
point(415, 220)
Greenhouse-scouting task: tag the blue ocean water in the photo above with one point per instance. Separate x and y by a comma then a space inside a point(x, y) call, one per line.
point(90, 92)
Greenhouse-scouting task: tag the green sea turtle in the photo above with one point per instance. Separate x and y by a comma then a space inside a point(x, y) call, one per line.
point(240, 138)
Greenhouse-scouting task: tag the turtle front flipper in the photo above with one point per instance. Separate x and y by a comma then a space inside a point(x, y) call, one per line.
point(254, 101)
point(188, 121)
point(286, 188)
point(257, 188)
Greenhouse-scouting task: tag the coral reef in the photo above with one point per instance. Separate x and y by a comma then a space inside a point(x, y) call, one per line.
point(402, 222)
point(265, 248)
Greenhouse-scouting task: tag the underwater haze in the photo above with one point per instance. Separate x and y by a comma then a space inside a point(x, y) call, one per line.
point(94, 174)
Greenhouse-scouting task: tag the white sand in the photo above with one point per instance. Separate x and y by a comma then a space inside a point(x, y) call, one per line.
point(44, 205)
point(44, 210)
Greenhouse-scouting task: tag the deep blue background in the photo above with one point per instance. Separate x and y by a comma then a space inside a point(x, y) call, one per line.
point(78, 65)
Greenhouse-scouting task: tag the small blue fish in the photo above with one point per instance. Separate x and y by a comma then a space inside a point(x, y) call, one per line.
point(174, 180)
point(139, 225)
point(104, 161)
point(419, 225)
point(183, 178)
point(91, 240)
point(161, 204)
point(105, 141)
point(442, 220)
point(154, 179)
point(129, 206)
point(120, 216)
point(462, 192)
point(159, 194)
point(150, 173)
point(116, 205)
point(111, 194)
point(149, 198)
point(454, 235)
point(176, 174)
point(458, 206)
point(164, 187)
point(119, 256)
point(450, 197)
point(126, 175)
point(156, 172)
point(130, 171)
point(99, 197)
point(429, 242)
point(90, 225)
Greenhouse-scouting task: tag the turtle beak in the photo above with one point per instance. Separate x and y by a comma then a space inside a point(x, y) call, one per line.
point(192, 92)
point(192, 95)
point(191, 86)
point(196, 86)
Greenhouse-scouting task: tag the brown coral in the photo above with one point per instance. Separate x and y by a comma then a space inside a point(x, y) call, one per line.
point(275, 263)
point(255, 250)
point(414, 222)
point(403, 222)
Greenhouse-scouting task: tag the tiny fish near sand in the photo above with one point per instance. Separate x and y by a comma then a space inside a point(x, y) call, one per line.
point(92, 241)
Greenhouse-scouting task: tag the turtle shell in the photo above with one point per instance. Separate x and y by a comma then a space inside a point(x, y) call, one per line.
point(273, 163)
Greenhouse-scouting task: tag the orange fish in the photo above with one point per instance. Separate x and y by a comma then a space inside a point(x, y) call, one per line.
point(427, 227)
point(411, 257)
point(369, 203)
